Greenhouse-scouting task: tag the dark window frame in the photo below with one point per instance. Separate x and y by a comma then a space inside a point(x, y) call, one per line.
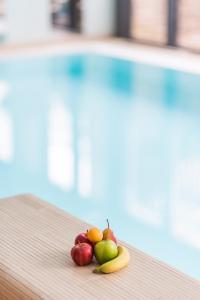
point(125, 14)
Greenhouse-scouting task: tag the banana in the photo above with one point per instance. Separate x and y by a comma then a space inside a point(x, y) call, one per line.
point(115, 264)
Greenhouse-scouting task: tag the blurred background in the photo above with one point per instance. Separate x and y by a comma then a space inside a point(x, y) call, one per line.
point(173, 23)
point(101, 136)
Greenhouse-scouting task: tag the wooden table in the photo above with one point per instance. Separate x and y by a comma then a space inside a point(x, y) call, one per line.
point(35, 262)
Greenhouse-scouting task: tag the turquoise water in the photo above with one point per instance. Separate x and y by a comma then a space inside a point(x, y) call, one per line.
point(107, 138)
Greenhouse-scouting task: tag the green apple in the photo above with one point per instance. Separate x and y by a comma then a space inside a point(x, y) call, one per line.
point(105, 251)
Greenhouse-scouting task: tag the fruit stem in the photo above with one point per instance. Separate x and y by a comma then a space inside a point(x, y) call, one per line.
point(108, 223)
point(96, 270)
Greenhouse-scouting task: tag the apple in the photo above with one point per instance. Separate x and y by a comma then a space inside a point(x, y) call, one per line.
point(105, 251)
point(82, 238)
point(82, 254)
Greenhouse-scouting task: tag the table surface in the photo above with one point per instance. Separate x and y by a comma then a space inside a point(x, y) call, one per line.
point(35, 263)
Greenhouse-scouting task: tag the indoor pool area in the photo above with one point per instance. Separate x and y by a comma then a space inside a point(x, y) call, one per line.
point(102, 137)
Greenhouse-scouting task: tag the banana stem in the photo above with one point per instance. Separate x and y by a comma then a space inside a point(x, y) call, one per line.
point(97, 270)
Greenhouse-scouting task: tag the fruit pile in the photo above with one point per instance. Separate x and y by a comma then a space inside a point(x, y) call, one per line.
point(103, 245)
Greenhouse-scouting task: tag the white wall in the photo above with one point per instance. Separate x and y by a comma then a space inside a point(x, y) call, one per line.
point(27, 20)
point(98, 17)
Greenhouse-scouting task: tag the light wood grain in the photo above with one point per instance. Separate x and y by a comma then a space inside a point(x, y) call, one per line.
point(35, 262)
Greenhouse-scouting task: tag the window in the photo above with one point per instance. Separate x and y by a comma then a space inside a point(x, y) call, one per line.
point(66, 14)
point(149, 21)
point(2, 20)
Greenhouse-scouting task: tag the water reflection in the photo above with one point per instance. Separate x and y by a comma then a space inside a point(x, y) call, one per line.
point(4, 89)
point(185, 201)
point(6, 127)
point(6, 136)
point(84, 167)
point(146, 152)
point(60, 148)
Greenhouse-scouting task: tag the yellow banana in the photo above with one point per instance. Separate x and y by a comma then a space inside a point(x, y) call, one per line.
point(115, 264)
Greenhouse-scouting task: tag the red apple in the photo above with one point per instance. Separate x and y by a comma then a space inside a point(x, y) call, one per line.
point(82, 238)
point(82, 254)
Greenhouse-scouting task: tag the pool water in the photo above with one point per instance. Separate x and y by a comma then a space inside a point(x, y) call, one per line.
point(107, 138)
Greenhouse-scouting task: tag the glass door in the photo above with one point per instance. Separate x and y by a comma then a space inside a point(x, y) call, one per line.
point(188, 24)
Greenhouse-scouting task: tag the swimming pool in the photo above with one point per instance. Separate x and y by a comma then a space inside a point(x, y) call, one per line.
point(107, 138)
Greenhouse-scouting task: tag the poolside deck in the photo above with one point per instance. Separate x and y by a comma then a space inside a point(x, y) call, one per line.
point(35, 262)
